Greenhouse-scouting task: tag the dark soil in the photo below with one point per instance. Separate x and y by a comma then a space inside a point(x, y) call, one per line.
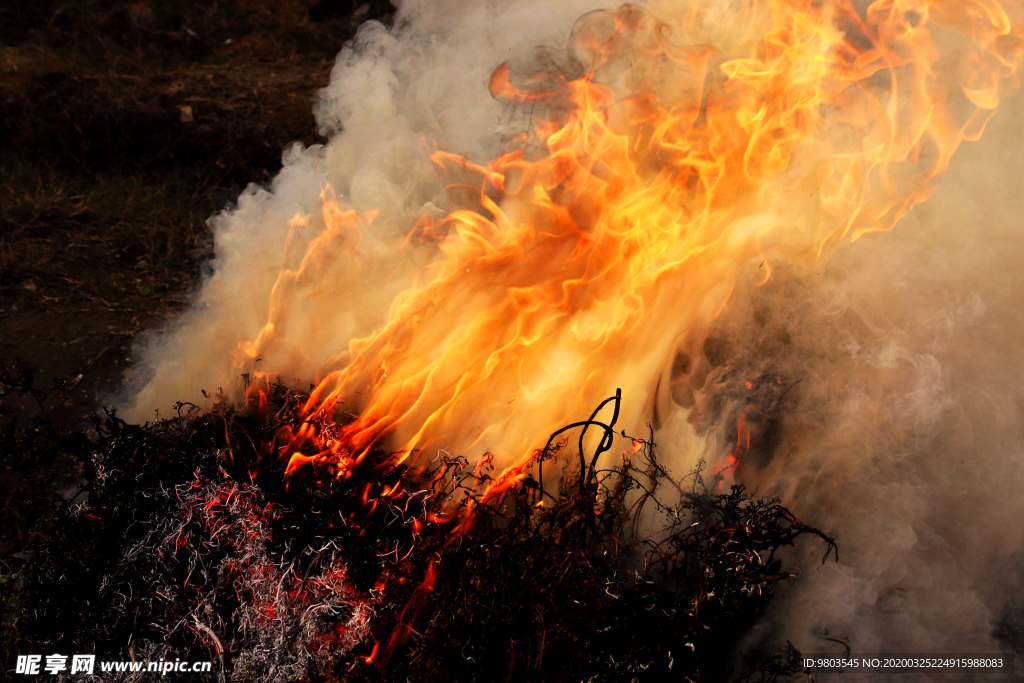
point(123, 127)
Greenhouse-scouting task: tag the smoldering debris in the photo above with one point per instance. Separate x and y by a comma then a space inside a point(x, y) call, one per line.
point(188, 541)
point(580, 598)
point(156, 565)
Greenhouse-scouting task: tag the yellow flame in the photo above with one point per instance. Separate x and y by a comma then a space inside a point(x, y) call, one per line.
point(692, 152)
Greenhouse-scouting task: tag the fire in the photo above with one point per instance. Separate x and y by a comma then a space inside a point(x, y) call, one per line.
point(692, 151)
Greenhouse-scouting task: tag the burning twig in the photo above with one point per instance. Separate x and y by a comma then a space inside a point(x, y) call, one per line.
point(372, 576)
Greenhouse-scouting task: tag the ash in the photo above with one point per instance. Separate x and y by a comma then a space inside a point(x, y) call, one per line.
point(189, 542)
point(175, 570)
point(286, 625)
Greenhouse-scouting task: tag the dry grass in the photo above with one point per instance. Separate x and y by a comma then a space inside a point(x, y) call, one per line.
point(190, 541)
point(114, 237)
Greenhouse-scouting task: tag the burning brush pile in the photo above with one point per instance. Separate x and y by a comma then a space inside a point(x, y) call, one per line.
point(646, 215)
point(185, 541)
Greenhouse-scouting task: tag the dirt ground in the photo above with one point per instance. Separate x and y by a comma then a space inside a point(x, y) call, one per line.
point(123, 127)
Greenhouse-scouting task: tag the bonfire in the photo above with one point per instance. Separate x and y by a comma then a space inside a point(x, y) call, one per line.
point(439, 416)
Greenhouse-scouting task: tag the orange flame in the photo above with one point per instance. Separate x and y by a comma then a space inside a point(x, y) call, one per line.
point(688, 152)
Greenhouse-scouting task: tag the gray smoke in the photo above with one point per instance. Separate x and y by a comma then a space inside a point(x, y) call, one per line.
point(901, 426)
point(393, 96)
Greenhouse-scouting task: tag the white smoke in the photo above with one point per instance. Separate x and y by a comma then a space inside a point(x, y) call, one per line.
point(886, 387)
point(905, 433)
point(394, 96)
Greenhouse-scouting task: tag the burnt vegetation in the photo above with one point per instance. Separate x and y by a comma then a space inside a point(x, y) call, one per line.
point(188, 540)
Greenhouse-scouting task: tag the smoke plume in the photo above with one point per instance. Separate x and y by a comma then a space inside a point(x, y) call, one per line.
point(904, 435)
point(395, 96)
point(875, 386)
